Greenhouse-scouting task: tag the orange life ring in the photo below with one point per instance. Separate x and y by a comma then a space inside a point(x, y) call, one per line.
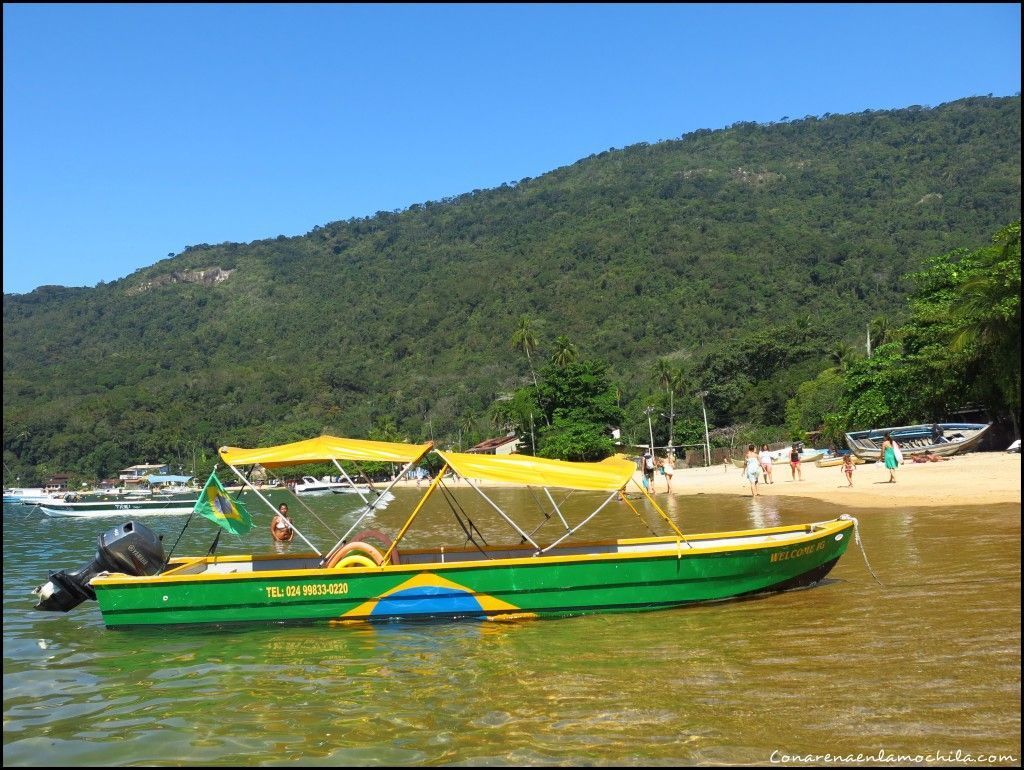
point(380, 537)
point(364, 550)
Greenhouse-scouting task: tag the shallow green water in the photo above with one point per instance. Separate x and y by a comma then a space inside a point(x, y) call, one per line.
point(930, 663)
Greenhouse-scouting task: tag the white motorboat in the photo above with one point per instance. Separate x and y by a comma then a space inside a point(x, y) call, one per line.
point(122, 507)
point(328, 485)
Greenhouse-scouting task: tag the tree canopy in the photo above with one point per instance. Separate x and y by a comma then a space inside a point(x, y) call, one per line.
point(743, 256)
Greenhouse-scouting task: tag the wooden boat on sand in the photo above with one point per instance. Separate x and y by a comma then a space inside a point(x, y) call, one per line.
point(135, 583)
point(781, 457)
point(943, 439)
point(833, 461)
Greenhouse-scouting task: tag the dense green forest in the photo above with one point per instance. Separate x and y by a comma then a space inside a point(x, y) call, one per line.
point(742, 262)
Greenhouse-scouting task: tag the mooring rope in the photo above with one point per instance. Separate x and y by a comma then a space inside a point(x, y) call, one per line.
point(455, 507)
point(857, 540)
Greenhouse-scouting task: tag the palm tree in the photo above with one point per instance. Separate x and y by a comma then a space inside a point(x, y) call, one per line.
point(986, 324)
point(667, 378)
point(565, 352)
point(664, 371)
point(501, 415)
point(525, 338)
point(467, 428)
point(841, 355)
point(878, 331)
point(676, 384)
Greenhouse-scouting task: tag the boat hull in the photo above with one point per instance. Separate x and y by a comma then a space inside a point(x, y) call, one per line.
point(646, 574)
point(106, 509)
point(832, 462)
point(811, 458)
point(913, 440)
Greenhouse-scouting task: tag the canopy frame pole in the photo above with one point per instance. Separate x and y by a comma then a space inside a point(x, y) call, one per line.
point(349, 480)
point(559, 512)
point(664, 515)
point(502, 514)
point(270, 505)
point(309, 510)
point(578, 526)
point(371, 507)
point(634, 510)
point(416, 510)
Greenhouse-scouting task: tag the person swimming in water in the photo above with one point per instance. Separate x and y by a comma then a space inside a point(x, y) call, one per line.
point(281, 526)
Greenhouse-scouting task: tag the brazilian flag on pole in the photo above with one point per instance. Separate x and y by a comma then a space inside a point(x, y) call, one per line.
point(216, 504)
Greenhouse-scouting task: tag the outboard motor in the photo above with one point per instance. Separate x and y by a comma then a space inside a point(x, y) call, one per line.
point(131, 548)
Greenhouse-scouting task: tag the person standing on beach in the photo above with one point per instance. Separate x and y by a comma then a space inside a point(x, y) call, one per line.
point(889, 456)
point(765, 459)
point(794, 463)
point(649, 470)
point(668, 469)
point(752, 469)
point(848, 469)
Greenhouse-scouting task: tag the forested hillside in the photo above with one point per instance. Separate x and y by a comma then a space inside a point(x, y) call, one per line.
point(743, 256)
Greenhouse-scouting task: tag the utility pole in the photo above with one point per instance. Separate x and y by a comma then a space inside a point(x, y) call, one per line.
point(869, 339)
point(671, 422)
point(533, 441)
point(707, 439)
point(649, 411)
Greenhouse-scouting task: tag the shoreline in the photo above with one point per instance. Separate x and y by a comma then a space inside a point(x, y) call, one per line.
point(976, 478)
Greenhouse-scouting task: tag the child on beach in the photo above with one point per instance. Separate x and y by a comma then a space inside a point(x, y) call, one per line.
point(848, 469)
point(766, 464)
point(794, 463)
point(752, 469)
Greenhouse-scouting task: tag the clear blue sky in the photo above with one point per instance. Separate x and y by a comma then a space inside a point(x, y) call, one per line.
point(133, 131)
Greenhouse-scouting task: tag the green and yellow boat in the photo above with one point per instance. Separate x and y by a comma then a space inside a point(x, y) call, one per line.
point(366, 577)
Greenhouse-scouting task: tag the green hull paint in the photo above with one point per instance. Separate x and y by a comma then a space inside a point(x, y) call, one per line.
point(549, 586)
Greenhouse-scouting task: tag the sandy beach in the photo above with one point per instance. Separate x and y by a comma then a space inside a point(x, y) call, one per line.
point(971, 479)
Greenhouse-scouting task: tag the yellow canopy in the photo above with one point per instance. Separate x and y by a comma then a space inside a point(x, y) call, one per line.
point(324, 448)
point(607, 475)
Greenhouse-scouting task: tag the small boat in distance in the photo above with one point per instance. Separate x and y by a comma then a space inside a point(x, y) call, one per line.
point(943, 439)
point(120, 507)
point(326, 485)
point(19, 495)
point(781, 457)
point(832, 462)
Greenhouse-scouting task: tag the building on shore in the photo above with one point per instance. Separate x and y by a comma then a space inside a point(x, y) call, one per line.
point(505, 445)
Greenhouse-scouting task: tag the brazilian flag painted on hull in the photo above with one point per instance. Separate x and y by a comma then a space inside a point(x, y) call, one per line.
point(216, 504)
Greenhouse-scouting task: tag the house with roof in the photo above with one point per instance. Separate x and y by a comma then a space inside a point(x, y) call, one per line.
point(136, 474)
point(505, 445)
point(58, 482)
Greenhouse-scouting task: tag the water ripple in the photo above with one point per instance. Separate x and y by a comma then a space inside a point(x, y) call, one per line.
point(930, 661)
